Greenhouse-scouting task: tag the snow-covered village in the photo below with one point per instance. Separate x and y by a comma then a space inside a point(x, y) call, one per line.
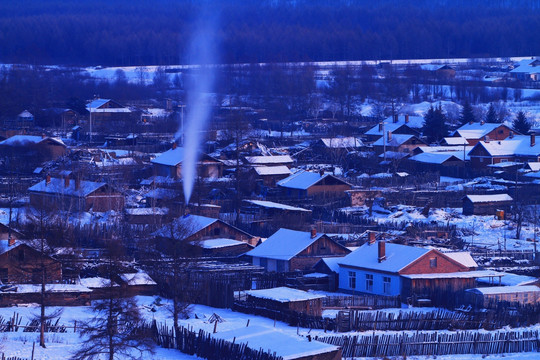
point(269, 180)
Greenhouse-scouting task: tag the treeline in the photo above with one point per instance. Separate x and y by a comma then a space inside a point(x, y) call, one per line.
point(123, 32)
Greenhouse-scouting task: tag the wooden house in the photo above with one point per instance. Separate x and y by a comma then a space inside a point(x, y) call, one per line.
point(29, 151)
point(397, 143)
point(21, 263)
point(269, 211)
point(289, 250)
point(440, 71)
point(221, 247)
point(486, 204)
point(391, 269)
point(276, 160)
point(402, 125)
point(7, 232)
point(514, 149)
point(269, 175)
point(516, 295)
point(475, 132)
point(106, 115)
point(337, 147)
point(75, 195)
point(192, 228)
point(303, 184)
point(286, 299)
point(57, 295)
point(169, 164)
point(526, 70)
point(139, 283)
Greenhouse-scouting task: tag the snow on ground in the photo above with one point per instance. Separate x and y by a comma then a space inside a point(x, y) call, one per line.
point(61, 345)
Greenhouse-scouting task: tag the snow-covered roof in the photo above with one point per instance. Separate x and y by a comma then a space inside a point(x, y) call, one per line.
point(272, 170)
point(138, 278)
point(333, 263)
point(415, 122)
point(284, 244)
point(397, 257)
point(95, 107)
point(489, 198)
point(170, 157)
point(274, 205)
point(534, 166)
point(492, 290)
point(286, 346)
point(302, 179)
point(395, 140)
point(455, 141)
point(342, 143)
point(455, 275)
point(509, 279)
point(4, 245)
point(94, 104)
point(476, 130)
point(57, 186)
point(97, 283)
point(26, 114)
point(55, 288)
point(147, 211)
point(436, 157)
point(185, 226)
point(396, 155)
point(505, 164)
point(28, 139)
point(268, 160)
point(218, 243)
point(527, 66)
point(462, 257)
point(283, 294)
point(518, 145)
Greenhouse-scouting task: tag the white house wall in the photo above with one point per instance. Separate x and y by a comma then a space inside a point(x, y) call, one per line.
point(378, 287)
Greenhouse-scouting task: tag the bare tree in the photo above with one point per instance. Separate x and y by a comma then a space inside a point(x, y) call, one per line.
point(113, 331)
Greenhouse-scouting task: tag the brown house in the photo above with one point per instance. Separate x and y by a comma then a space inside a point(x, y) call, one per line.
point(475, 132)
point(286, 299)
point(269, 175)
point(29, 151)
point(397, 143)
point(514, 149)
point(107, 115)
point(21, 263)
point(303, 184)
point(75, 195)
point(193, 228)
point(289, 250)
point(486, 204)
point(169, 164)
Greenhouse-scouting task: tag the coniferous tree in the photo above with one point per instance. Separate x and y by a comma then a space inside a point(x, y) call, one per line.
point(467, 114)
point(435, 127)
point(521, 124)
point(491, 116)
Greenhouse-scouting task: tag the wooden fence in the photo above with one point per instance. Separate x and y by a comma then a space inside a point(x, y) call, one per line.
point(204, 345)
point(435, 343)
point(13, 324)
point(367, 301)
point(3, 357)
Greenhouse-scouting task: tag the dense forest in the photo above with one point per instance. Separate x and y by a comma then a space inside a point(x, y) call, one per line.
point(126, 32)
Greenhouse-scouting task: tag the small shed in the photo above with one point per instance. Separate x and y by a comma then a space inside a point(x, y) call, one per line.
point(490, 296)
point(286, 299)
point(223, 247)
point(486, 204)
point(138, 283)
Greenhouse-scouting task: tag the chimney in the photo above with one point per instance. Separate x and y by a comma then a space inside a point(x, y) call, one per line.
point(511, 135)
point(66, 181)
point(381, 126)
point(77, 183)
point(11, 241)
point(486, 138)
point(371, 237)
point(321, 172)
point(471, 122)
point(382, 251)
point(47, 180)
point(396, 118)
point(533, 138)
point(482, 122)
point(313, 233)
point(406, 118)
point(43, 136)
point(174, 145)
point(389, 136)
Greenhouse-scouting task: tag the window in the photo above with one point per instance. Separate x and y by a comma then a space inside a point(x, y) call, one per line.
point(352, 280)
point(369, 282)
point(386, 284)
point(433, 262)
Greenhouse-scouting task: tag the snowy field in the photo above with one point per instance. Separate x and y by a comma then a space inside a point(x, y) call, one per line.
point(61, 345)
